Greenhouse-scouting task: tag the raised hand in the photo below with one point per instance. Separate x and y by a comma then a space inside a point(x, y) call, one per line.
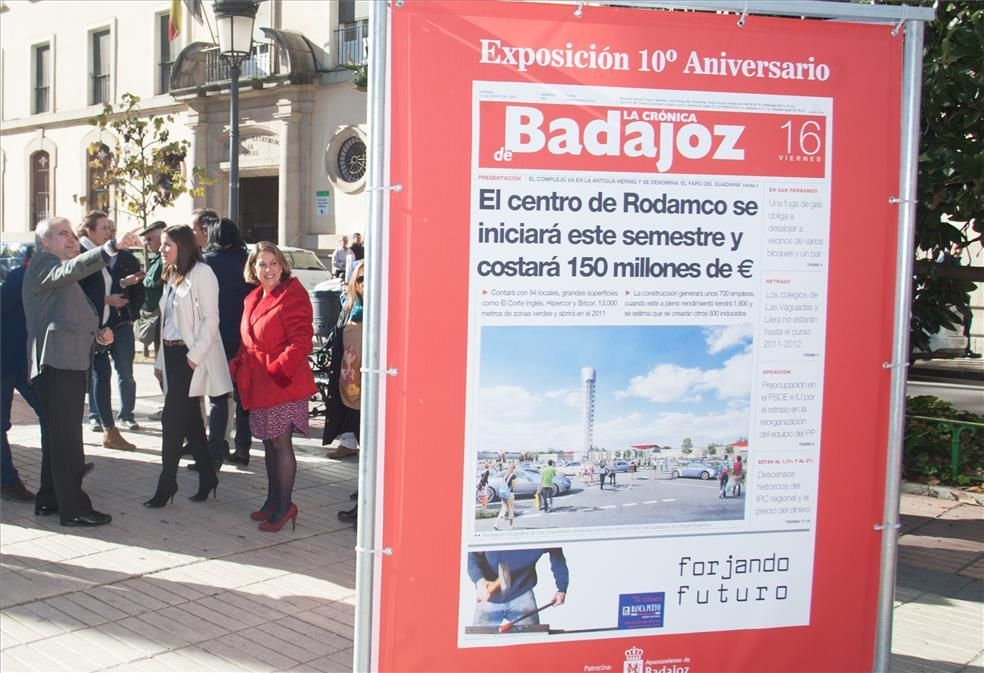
point(130, 240)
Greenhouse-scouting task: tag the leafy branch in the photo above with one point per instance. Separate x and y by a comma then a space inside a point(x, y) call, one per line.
point(145, 170)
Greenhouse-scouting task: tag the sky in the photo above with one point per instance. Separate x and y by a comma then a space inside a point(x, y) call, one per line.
point(654, 385)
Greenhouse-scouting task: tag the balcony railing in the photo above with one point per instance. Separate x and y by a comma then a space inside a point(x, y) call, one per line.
point(261, 63)
point(353, 43)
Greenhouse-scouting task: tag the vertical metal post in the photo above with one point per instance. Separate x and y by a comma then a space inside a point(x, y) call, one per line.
point(908, 170)
point(373, 382)
point(234, 142)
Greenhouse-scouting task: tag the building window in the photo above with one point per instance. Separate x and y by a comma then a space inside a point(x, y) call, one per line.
point(166, 56)
point(42, 78)
point(97, 194)
point(101, 63)
point(346, 11)
point(40, 187)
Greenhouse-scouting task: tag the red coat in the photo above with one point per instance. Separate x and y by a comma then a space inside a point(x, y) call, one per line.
point(271, 366)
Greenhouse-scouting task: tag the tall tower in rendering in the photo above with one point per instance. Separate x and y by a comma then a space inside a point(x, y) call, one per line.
point(587, 409)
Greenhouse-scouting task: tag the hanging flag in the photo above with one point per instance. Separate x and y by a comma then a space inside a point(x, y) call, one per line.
point(195, 10)
point(174, 22)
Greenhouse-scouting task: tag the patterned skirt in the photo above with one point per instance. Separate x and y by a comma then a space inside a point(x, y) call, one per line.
point(274, 421)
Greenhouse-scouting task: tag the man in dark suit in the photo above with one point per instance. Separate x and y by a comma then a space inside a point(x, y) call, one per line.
point(62, 328)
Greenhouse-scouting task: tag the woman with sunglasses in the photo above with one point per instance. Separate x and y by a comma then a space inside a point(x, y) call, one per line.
point(272, 374)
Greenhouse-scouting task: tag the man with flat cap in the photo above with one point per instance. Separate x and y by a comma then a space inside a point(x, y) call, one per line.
point(149, 322)
point(62, 330)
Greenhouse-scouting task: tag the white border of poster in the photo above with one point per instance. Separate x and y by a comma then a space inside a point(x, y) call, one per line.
point(696, 306)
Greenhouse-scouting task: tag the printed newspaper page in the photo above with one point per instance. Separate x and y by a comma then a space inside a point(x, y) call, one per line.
point(648, 278)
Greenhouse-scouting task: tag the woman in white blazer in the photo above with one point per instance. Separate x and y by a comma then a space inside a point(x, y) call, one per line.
point(191, 362)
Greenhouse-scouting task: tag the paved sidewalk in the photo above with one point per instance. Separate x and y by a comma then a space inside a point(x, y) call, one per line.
point(196, 587)
point(190, 587)
point(939, 595)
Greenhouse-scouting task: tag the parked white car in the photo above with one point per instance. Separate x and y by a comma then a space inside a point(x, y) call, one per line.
point(308, 268)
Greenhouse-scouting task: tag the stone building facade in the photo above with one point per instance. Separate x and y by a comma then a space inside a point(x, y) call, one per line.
point(302, 120)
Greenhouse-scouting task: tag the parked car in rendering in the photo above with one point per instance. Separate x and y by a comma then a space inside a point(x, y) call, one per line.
point(623, 466)
point(696, 470)
point(571, 469)
point(526, 484)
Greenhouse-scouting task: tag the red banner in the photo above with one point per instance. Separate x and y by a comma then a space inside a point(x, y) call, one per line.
point(627, 253)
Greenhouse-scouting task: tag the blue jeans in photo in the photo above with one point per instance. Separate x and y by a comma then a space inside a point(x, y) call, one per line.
point(488, 613)
point(100, 394)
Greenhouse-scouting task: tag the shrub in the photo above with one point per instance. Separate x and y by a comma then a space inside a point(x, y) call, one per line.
point(927, 446)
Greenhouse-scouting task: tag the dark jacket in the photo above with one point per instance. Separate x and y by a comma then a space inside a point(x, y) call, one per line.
point(126, 264)
point(228, 265)
point(334, 407)
point(13, 325)
point(94, 287)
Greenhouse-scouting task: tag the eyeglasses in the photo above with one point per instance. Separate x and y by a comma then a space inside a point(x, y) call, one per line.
point(359, 279)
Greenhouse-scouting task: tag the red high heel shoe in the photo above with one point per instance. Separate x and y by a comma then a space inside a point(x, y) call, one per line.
point(261, 515)
point(271, 527)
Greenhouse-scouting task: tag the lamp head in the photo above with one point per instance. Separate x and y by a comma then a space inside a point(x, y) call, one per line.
point(234, 19)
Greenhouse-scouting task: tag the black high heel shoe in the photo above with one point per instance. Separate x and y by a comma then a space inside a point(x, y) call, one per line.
point(161, 498)
point(204, 489)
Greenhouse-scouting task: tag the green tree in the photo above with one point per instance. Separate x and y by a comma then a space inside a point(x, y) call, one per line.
point(951, 169)
point(687, 446)
point(712, 449)
point(145, 168)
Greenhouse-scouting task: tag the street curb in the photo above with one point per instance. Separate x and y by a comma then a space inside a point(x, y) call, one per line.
point(944, 492)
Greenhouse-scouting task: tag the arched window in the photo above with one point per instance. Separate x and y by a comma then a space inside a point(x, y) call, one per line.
point(40, 187)
point(97, 192)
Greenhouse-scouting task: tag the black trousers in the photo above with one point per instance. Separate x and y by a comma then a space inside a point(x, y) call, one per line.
point(62, 395)
point(182, 418)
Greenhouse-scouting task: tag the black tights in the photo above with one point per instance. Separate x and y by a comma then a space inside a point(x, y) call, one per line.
point(281, 466)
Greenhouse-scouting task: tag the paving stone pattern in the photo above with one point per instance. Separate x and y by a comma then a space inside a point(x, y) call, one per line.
point(189, 587)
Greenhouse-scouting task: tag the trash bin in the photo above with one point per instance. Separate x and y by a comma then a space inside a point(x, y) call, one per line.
point(327, 305)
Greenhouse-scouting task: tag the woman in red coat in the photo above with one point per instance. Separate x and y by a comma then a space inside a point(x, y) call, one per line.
point(272, 373)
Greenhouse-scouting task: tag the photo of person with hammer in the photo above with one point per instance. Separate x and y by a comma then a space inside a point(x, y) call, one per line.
point(504, 582)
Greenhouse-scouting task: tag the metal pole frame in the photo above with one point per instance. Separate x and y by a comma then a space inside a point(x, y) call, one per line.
point(912, 65)
point(234, 142)
point(368, 554)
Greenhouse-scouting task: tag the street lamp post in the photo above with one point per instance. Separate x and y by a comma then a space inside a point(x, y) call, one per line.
point(234, 19)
